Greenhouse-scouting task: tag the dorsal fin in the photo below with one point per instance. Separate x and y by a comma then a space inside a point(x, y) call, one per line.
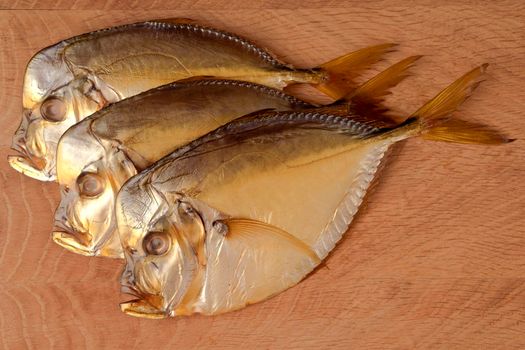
point(361, 112)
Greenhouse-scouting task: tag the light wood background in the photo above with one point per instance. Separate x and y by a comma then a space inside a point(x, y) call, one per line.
point(436, 259)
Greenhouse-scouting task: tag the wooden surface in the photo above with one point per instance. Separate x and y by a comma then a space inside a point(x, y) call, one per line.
point(435, 260)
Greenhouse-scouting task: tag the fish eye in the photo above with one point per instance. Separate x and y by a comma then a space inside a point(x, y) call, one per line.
point(90, 185)
point(156, 243)
point(53, 109)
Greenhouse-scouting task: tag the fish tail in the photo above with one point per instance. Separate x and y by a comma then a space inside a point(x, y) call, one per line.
point(368, 98)
point(340, 73)
point(433, 122)
point(376, 88)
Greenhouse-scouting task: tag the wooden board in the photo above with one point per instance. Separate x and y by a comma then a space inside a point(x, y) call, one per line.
point(435, 260)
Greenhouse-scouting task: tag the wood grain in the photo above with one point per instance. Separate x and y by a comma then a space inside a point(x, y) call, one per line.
point(436, 258)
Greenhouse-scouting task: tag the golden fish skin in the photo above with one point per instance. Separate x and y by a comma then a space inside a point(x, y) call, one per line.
point(96, 156)
point(66, 82)
point(103, 151)
point(248, 210)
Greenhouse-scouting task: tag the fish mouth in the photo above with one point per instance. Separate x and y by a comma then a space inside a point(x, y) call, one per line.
point(143, 305)
point(82, 242)
point(29, 165)
point(76, 242)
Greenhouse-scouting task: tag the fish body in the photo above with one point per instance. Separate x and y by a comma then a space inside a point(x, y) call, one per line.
point(251, 208)
point(67, 82)
point(96, 156)
point(270, 200)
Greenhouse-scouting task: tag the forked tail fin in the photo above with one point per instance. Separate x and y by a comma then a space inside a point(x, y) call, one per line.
point(368, 98)
point(379, 86)
point(433, 122)
point(342, 71)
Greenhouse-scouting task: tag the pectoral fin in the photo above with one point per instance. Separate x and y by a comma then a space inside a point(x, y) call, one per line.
point(249, 261)
point(250, 231)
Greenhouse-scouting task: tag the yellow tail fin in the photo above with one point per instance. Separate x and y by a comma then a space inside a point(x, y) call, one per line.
point(460, 131)
point(376, 88)
point(342, 71)
point(367, 99)
point(432, 121)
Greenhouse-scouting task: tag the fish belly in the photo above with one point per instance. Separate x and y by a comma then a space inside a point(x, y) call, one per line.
point(314, 201)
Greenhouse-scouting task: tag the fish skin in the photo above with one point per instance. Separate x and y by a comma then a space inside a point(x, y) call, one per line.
point(126, 137)
point(248, 169)
point(122, 139)
point(260, 187)
point(93, 70)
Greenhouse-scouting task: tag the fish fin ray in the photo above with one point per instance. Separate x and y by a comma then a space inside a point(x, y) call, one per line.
point(249, 229)
point(252, 262)
point(373, 90)
point(369, 97)
point(460, 131)
point(449, 99)
point(433, 122)
point(360, 112)
point(343, 71)
point(351, 202)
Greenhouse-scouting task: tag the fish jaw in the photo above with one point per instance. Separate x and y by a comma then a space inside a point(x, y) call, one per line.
point(144, 305)
point(141, 308)
point(74, 242)
point(27, 162)
point(77, 243)
point(25, 166)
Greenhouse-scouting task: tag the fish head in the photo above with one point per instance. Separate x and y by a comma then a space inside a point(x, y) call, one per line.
point(160, 235)
point(54, 98)
point(90, 172)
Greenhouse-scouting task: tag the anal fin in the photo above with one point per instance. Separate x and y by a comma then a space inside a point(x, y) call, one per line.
point(351, 202)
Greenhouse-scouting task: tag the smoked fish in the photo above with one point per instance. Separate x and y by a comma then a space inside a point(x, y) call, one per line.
point(251, 208)
point(96, 156)
point(76, 77)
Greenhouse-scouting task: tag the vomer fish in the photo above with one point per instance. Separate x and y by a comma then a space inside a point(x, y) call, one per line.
point(249, 209)
point(70, 80)
point(96, 156)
